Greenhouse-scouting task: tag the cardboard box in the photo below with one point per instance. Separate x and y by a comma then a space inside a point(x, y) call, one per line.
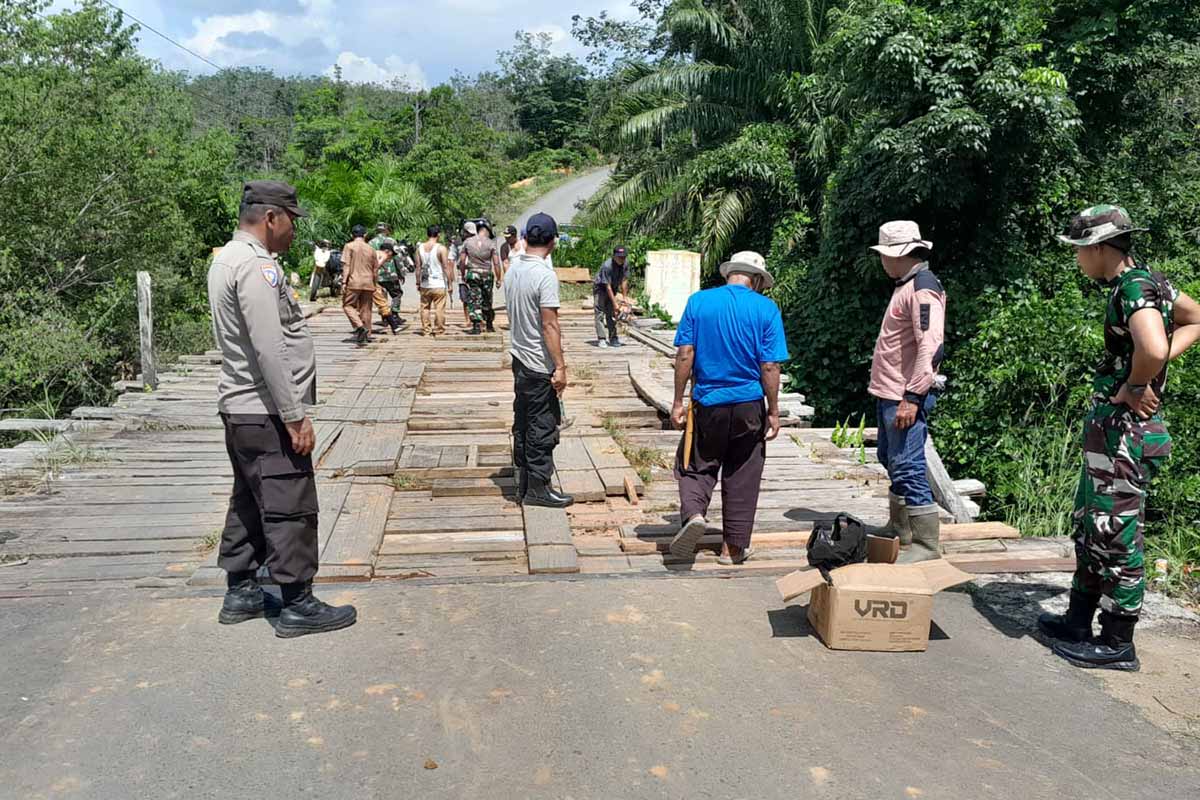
point(885, 607)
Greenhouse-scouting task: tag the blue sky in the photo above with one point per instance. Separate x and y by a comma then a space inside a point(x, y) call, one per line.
point(421, 42)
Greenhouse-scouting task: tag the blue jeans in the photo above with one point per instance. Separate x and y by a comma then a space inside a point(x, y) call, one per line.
point(902, 452)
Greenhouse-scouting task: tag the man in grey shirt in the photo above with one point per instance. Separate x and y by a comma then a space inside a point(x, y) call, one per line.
point(539, 369)
point(268, 376)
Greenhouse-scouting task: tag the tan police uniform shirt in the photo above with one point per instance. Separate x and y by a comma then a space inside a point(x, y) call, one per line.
point(268, 365)
point(359, 266)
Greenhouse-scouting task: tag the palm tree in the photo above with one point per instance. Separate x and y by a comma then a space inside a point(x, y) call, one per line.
point(713, 119)
point(377, 194)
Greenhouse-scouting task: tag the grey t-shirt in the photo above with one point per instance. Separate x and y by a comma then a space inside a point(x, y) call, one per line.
point(530, 286)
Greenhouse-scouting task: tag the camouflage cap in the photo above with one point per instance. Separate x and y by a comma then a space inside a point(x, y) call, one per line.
point(1098, 224)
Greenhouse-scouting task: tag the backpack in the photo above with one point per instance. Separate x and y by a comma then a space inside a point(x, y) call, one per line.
point(837, 542)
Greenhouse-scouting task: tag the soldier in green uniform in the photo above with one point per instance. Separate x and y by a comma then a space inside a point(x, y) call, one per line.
point(1125, 441)
point(480, 257)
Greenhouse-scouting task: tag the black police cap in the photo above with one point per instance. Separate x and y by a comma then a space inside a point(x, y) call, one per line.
point(272, 193)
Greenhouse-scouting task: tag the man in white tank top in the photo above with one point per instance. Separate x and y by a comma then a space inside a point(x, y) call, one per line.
point(434, 274)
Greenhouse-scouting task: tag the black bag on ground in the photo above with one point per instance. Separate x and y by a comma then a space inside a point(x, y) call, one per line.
point(837, 542)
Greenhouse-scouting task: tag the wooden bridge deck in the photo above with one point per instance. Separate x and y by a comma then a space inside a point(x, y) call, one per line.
point(414, 475)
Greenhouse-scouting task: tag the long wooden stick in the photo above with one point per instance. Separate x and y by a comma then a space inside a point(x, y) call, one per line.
point(688, 432)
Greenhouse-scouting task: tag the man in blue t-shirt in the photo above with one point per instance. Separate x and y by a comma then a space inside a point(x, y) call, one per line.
point(731, 343)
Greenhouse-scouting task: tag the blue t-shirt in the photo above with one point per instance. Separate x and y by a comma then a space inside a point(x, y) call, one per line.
point(734, 330)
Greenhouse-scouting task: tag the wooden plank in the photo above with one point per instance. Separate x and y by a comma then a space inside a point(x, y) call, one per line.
point(583, 485)
point(463, 542)
point(631, 490)
point(146, 331)
point(358, 530)
point(553, 559)
point(572, 455)
point(473, 487)
point(605, 453)
point(943, 487)
point(453, 457)
point(615, 481)
point(977, 564)
point(573, 274)
point(546, 526)
point(449, 522)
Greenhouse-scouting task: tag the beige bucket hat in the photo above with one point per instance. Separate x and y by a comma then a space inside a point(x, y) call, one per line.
point(899, 238)
point(748, 262)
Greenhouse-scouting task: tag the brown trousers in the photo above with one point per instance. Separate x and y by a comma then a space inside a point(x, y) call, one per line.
point(357, 305)
point(383, 302)
point(433, 311)
point(729, 442)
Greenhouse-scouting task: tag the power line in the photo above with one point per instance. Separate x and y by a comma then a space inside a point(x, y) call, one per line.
point(115, 7)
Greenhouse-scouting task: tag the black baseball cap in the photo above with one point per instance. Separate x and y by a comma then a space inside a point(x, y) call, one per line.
point(541, 229)
point(272, 193)
point(511, 230)
point(619, 252)
point(387, 245)
point(358, 230)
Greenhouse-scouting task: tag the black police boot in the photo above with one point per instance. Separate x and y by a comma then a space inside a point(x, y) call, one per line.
point(522, 484)
point(539, 493)
point(1076, 624)
point(362, 336)
point(1112, 649)
point(394, 323)
point(303, 613)
point(244, 599)
point(475, 331)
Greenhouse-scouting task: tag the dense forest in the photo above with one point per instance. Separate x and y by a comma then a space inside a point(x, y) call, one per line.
point(794, 127)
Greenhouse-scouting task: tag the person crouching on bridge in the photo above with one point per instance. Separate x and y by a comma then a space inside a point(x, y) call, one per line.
point(268, 377)
point(539, 367)
point(1147, 323)
point(731, 343)
point(903, 380)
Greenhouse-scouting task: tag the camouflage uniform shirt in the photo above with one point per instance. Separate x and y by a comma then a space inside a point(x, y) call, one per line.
point(1132, 291)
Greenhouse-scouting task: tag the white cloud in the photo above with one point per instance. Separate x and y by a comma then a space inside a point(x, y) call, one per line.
point(314, 17)
point(362, 69)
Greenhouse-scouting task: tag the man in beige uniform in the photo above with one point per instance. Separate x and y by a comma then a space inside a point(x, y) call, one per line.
point(358, 281)
point(268, 377)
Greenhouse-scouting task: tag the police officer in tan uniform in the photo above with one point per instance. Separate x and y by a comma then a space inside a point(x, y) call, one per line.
point(268, 377)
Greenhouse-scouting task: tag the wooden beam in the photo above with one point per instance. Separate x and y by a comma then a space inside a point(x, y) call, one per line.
point(943, 487)
point(146, 331)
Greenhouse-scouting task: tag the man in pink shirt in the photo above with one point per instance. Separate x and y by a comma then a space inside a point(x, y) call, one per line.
point(903, 381)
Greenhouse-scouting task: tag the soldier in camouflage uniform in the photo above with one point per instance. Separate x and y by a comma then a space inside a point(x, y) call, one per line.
point(480, 257)
point(1125, 441)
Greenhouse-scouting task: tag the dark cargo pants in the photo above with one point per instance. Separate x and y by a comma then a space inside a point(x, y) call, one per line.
point(536, 417)
point(730, 442)
point(272, 517)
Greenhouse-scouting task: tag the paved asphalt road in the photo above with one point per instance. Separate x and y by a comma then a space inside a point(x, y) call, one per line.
point(560, 203)
point(601, 688)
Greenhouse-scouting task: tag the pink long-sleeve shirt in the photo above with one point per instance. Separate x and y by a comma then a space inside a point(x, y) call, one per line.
point(909, 348)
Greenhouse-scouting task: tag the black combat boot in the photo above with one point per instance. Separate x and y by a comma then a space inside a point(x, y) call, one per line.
point(539, 493)
point(1112, 649)
point(491, 328)
point(362, 336)
point(393, 322)
point(522, 483)
point(303, 613)
point(1076, 624)
point(475, 331)
point(245, 600)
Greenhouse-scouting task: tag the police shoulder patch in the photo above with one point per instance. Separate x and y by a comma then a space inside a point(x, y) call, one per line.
point(270, 273)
